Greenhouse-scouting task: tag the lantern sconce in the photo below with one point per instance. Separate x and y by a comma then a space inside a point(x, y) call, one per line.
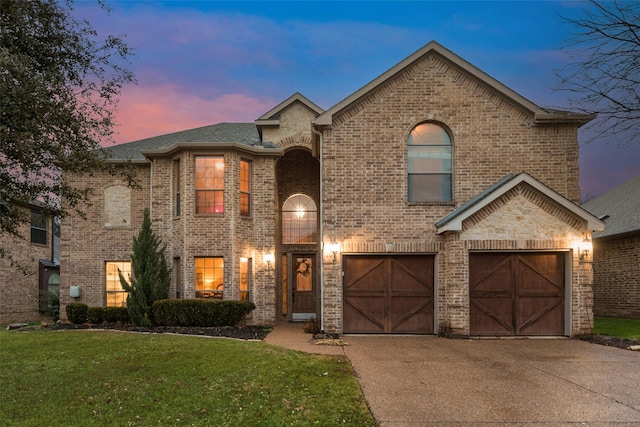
point(268, 258)
point(334, 247)
point(585, 250)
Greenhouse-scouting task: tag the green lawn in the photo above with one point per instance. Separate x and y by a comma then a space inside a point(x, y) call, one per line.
point(112, 378)
point(623, 328)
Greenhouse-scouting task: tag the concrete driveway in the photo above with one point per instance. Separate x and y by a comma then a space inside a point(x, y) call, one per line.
point(429, 381)
point(426, 381)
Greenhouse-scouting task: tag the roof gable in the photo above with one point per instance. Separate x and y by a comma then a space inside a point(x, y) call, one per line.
point(538, 114)
point(272, 117)
point(453, 221)
point(619, 208)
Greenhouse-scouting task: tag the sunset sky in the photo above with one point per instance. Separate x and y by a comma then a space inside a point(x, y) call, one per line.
point(203, 62)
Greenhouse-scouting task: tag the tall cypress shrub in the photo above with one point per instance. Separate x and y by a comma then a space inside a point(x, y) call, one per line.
point(150, 275)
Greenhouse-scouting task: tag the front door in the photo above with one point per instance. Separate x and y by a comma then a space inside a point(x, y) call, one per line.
point(304, 287)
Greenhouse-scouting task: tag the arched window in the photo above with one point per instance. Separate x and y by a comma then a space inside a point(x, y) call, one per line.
point(299, 220)
point(429, 164)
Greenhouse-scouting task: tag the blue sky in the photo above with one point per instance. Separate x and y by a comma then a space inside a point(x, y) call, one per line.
point(203, 62)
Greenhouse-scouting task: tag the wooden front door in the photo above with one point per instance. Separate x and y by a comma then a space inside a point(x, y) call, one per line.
point(388, 294)
point(516, 293)
point(304, 287)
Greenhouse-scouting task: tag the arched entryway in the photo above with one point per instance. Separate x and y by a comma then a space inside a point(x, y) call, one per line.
point(297, 236)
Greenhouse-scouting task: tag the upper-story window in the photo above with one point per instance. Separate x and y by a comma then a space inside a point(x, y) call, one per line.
point(299, 220)
point(429, 164)
point(210, 184)
point(245, 187)
point(38, 228)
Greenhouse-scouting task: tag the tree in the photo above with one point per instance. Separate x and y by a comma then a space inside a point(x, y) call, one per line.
point(59, 84)
point(151, 276)
point(605, 76)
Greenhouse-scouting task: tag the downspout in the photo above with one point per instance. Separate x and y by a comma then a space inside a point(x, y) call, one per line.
point(313, 130)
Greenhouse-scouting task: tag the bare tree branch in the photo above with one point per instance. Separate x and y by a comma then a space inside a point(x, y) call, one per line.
point(604, 77)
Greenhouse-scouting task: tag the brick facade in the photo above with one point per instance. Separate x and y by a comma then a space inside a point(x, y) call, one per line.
point(353, 164)
point(19, 285)
point(616, 279)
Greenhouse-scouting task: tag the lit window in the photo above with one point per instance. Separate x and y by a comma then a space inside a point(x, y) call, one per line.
point(299, 220)
point(209, 277)
point(116, 295)
point(245, 187)
point(210, 184)
point(38, 228)
point(430, 166)
point(245, 278)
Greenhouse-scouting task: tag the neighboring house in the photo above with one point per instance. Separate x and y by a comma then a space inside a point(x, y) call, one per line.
point(24, 286)
point(432, 200)
point(616, 256)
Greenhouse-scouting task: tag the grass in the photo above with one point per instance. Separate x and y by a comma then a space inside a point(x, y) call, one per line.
point(93, 378)
point(622, 328)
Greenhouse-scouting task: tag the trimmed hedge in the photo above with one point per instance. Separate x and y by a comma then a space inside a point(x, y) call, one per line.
point(200, 312)
point(77, 312)
point(115, 314)
point(95, 315)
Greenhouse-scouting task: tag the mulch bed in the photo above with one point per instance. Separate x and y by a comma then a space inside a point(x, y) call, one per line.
point(238, 332)
point(609, 341)
point(260, 332)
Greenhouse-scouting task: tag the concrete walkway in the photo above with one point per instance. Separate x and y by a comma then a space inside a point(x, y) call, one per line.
point(430, 381)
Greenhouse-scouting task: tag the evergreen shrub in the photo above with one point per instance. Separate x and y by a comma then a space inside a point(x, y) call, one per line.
point(115, 314)
point(95, 315)
point(77, 312)
point(200, 312)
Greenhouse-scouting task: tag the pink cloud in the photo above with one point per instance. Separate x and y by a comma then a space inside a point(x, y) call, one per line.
point(149, 111)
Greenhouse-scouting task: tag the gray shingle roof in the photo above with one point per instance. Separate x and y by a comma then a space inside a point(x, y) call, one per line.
point(622, 205)
point(242, 133)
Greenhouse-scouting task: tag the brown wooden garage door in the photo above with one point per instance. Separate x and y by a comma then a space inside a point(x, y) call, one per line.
point(516, 293)
point(388, 294)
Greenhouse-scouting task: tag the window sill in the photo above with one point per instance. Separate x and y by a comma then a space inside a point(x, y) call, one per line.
point(449, 203)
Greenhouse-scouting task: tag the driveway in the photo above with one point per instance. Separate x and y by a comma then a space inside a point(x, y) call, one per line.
point(429, 381)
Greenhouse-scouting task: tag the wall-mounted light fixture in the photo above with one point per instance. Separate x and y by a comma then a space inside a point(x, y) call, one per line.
point(585, 250)
point(334, 247)
point(268, 258)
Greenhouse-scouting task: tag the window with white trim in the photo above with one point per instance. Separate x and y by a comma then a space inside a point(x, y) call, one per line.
point(430, 168)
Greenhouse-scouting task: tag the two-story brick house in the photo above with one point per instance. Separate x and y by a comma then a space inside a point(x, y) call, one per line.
point(432, 200)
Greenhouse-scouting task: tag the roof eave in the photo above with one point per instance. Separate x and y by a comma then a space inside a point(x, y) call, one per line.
point(128, 161)
point(259, 150)
point(563, 117)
